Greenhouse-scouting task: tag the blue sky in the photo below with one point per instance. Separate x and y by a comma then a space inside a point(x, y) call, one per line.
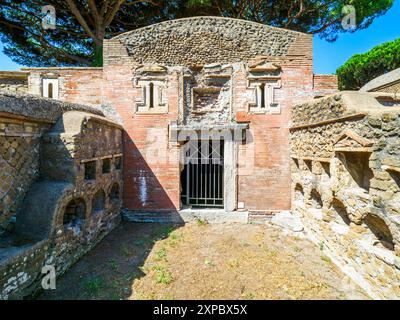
point(327, 56)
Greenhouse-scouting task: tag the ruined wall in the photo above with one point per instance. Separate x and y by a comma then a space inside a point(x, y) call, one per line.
point(14, 81)
point(75, 85)
point(325, 84)
point(69, 196)
point(345, 184)
point(202, 66)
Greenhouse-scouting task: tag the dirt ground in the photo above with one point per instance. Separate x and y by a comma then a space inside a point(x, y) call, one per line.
point(203, 261)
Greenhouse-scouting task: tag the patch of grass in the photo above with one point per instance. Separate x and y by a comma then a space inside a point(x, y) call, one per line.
point(173, 239)
point(249, 296)
point(163, 275)
point(208, 262)
point(234, 263)
point(125, 250)
point(271, 253)
point(201, 222)
point(170, 229)
point(115, 284)
point(94, 285)
point(115, 296)
point(113, 264)
point(297, 249)
point(326, 259)
point(139, 242)
point(160, 232)
point(143, 269)
point(161, 254)
point(321, 245)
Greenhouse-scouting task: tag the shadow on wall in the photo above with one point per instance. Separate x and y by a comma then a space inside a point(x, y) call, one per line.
point(357, 165)
point(145, 198)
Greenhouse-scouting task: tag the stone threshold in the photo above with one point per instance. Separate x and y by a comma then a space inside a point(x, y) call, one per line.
point(186, 215)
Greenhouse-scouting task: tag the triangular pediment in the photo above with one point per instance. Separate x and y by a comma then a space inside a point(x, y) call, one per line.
point(351, 141)
point(151, 68)
point(262, 65)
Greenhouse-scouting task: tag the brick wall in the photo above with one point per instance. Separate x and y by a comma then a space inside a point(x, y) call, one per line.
point(154, 185)
point(76, 85)
point(325, 84)
point(150, 182)
point(266, 186)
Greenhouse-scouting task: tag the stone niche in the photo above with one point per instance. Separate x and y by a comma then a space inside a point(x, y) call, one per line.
point(354, 152)
point(207, 94)
point(150, 81)
point(263, 79)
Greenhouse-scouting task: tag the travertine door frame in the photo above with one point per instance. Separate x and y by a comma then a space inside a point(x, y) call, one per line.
point(230, 165)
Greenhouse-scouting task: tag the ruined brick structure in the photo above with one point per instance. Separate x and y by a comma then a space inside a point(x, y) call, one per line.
point(346, 183)
point(14, 81)
point(334, 161)
point(61, 186)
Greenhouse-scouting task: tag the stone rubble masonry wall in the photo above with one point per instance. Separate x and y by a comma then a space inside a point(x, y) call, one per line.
point(345, 184)
point(24, 119)
point(193, 43)
point(42, 169)
point(204, 40)
point(76, 85)
point(14, 85)
point(392, 88)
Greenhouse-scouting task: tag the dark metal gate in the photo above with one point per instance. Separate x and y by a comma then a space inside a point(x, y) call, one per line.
point(202, 179)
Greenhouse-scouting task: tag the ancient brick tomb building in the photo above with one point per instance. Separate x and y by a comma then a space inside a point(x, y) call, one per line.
point(226, 85)
point(199, 79)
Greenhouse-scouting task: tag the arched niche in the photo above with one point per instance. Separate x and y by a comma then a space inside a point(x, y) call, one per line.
point(338, 207)
point(75, 212)
point(115, 193)
point(315, 199)
point(380, 230)
point(298, 192)
point(98, 202)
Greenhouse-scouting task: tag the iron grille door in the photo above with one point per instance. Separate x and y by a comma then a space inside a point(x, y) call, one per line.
point(204, 174)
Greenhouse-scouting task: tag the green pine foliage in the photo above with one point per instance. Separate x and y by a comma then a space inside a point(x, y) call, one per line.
point(362, 68)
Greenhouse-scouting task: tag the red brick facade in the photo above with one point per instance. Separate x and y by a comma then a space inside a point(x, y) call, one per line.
point(76, 85)
point(151, 157)
point(325, 84)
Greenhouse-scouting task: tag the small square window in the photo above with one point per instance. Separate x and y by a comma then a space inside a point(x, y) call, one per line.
point(106, 168)
point(90, 170)
point(118, 163)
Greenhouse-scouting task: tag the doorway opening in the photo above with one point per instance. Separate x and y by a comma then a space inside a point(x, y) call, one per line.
point(202, 177)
